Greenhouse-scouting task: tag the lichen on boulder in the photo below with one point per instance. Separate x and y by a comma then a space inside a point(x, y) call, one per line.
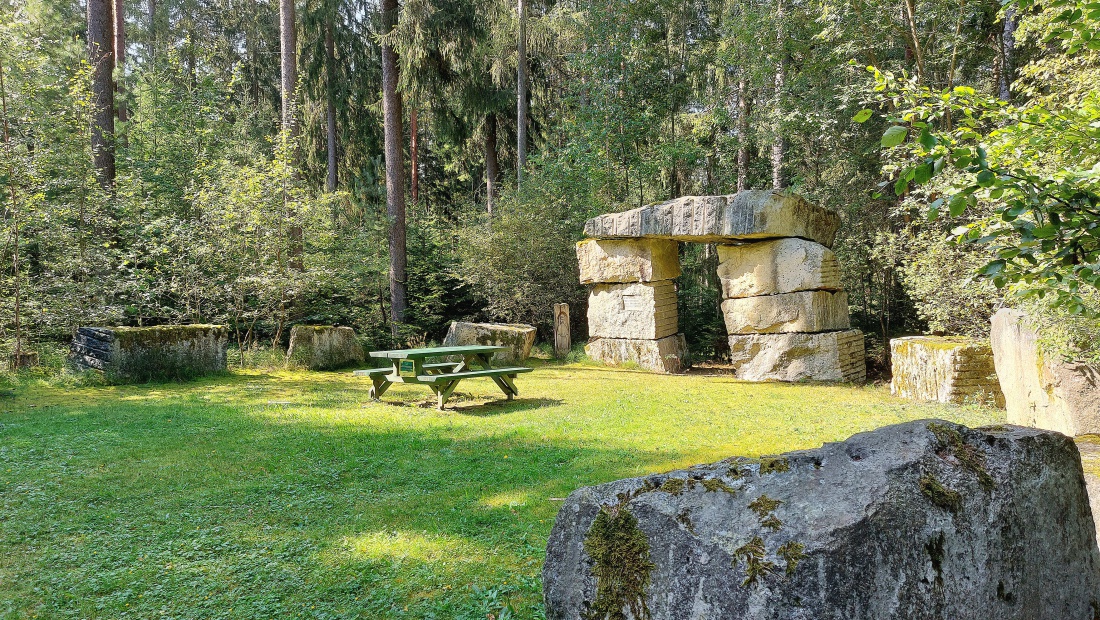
point(137, 354)
point(924, 521)
point(323, 347)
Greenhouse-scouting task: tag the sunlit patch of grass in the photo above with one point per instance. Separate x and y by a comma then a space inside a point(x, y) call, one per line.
point(287, 493)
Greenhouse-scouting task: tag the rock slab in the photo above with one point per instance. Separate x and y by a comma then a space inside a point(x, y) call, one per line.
point(517, 337)
point(665, 355)
point(1041, 392)
point(750, 214)
point(641, 310)
point(139, 354)
point(805, 312)
point(627, 260)
point(919, 521)
point(944, 369)
point(829, 356)
point(323, 347)
point(773, 267)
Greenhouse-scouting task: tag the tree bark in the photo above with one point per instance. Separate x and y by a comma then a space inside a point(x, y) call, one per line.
point(288, 52)
point(742, 132)
point(1008, 54)
point(18, 285)
point(395, 171)
point(330, 109)
point(492, 164)
point(152, 28)
point(120, 58)
point(414, 159)
point(779, 144)
point(101, 55)
point(521, 92)
point(911, 15)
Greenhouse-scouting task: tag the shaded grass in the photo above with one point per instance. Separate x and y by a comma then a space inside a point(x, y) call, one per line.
point(289, 494)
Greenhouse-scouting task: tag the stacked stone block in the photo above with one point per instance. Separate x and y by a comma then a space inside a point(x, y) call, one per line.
point(944, 369)
point(137, 354)
point(632, 316)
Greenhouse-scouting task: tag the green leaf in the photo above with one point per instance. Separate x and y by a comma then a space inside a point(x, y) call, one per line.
point(985, 178)
point(957, 205)
point(894, 136)
point(862, 116)
point(927, 140)
point(922, 174)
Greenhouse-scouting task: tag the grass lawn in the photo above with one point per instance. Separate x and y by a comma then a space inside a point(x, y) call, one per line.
point(289, 494)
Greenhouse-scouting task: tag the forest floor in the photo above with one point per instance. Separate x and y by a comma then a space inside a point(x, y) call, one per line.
point(290, 494)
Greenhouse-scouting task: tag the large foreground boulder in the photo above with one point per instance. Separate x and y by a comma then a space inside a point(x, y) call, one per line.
point(1039, 391)
point(751, 214)
point(137, 354)
point(919, 521)
point(518, 338)
point(323, 347)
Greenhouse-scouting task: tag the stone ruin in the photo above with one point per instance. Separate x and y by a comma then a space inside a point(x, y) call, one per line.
point(784, 309)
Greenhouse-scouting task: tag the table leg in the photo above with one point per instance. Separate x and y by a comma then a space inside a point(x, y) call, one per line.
point(444, 392)
point(379, 388)
point(503, 382)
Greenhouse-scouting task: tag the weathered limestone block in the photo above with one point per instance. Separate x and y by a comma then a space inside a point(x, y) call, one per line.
point(136, 354)
point(627, 260)
point(780, 266)
point(1089, 446)
point(923, 521)
point(944, 369)
point(323, 347)
point(1040, 392)
point(829, 356)
point(751, 214)
point(665, 355)
point(805, 311)
point(519, 338)
point(641, 310)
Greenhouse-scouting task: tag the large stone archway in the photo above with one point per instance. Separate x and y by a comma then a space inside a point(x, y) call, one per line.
point(784, 309)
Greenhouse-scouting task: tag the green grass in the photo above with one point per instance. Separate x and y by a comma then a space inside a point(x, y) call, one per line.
point(289, 494)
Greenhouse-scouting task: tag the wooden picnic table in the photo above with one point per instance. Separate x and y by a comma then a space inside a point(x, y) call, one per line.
point(413, 366)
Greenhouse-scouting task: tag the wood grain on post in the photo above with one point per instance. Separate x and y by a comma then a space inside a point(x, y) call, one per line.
point(562, 342)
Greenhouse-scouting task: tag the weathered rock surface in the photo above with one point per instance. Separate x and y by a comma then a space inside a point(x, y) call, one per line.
point(944, 369)
point(518, 337)
point(642, 310)
point(751, 214)
point(137, 354)
point(829, 356)
point(1089, 446)
point(772, 267)
point(664, 355)
point(627, 260)
point(323, 347)
point(919, 521)
point(1039, 392)
point(805, 311)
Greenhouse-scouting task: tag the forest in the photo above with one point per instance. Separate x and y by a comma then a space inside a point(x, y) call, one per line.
point(394, 166)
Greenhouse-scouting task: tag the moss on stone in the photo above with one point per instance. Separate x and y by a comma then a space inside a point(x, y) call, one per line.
point(793, 552)
point(622, 567)
point(715, 485)
point(673, 486)
point(970, 457)
point(764, 505)
point(773, 465)
point(751, 554)
point(940, 495)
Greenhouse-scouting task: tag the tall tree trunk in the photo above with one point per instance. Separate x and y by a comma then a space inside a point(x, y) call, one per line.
point(779, 144)
point(330, 108)
point(395, 170)
point(18, 292)
point(911, 16)
point(152, 28)
point(120, 57)
point(1008, 54)
point(742, 132)
point(414, 151)
point(101, 55)
point(492, 165)
point(288, 47)
point(521, 92)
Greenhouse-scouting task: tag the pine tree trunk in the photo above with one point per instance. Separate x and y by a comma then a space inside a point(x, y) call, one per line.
point(742, 132)
point(414, 160)
point(120, 57)
point(1008, 53)
point(492, 165)
point(779, 144)
point(330, 109)
point(288, 47)
point(152, 28)
point(101, 55)
point(395, 171)
point(521, 92)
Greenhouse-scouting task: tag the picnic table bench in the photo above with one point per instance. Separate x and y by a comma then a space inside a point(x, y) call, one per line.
point(412, 366)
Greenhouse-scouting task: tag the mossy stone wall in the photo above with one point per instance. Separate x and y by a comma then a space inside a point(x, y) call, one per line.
point(139, 354)
point(323, 347)
point(944, 369)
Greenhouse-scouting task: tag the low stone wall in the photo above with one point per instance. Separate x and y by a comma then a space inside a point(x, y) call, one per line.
point(519, 338)
point(323, 347)
point(137, 354)
point(944, 369)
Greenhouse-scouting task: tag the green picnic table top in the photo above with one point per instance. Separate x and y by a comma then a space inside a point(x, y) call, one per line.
point(412, 354)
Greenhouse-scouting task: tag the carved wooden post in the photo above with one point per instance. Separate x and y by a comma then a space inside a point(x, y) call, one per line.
point(562, 341)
